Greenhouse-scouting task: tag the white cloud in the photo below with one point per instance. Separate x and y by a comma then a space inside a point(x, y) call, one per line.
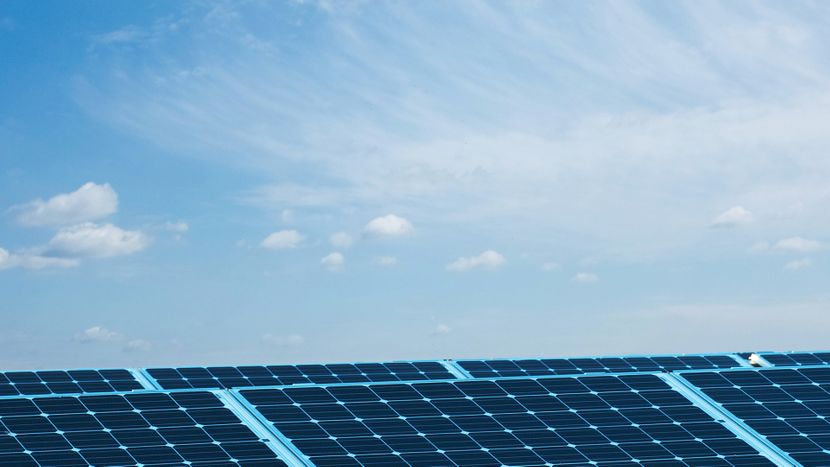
point(289, 340)
point(29, 260)
point(97, 334)
point(138, 345)
point(441, 329)
point(333, 261)
point(585, 278)
point(486, 260)
point(87, 203)
point(799, 244)
point(389, 225)
point(5, 259)
point(650, 142)
point(178, 227)
point(798, 265)
point(386, 260)
point(550, 266)
point(341, 240)
point(734, 216)
point(90, 240)
point(284, 239)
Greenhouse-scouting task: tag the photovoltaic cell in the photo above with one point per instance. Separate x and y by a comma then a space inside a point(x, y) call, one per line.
point(608, 420)
point(277, 375)
point(13, 383)
point(574, 366)
point(797, 358)
point(149, 428)
point(789, 407)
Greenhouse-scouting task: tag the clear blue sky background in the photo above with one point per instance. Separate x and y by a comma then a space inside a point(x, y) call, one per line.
point(505, 179)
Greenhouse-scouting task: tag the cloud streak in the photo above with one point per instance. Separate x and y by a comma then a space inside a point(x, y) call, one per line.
point(397, 119)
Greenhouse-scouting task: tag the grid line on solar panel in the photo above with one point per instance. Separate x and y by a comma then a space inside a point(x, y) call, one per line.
point(575, 366)
point(608, 419)
point(30, 383)
point(134, 428)
point(788, 407)
point(227, 377)
point(796, 358)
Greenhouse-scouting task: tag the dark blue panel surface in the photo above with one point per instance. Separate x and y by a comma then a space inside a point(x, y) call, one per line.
point(797, 358)
point(277, 375)
point(609, 420)
point(13, 383)
point(147, 428)
point(574, 366)
point(789, 407)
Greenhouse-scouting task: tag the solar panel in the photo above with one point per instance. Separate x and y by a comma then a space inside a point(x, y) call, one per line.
point(278, 375)
point(574, 366)
point(14, 383)
point(796, 358)
point(609, 420)
point(788, 407)
point(149, 428)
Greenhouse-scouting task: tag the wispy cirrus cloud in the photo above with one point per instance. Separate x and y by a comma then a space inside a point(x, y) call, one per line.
point(441, 117)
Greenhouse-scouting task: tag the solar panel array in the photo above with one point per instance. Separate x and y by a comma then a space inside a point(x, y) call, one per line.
point(574, 366)
point(712, 410)
point(545, 421)
point(127, 429)
point(796, 358)
point(788, 407)
point(13, 383)
point(275, 375)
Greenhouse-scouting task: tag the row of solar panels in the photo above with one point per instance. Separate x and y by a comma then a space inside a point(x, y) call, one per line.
point(226, 377)
point(724, 415)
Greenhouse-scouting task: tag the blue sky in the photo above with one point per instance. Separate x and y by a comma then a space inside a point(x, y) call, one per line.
point(243, 182)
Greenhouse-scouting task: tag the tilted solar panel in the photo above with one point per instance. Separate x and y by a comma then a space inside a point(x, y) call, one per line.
point(13, 383)
point(149, 428)
point(610, 420)
point(574, 366)
point(788, 407)
point(277, 375)
point(796, 358)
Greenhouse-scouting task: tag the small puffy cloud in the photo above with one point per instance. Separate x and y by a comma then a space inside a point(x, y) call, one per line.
point(341, 240)
point(389, 225)
point(441, 329)
point(90, 240)
point(96, 334)
point(550, 266)
point(282, 240)
point(798, 265)
point(5, 259)
point(289, 340)
point(179, 227)
point(138, 345)
point(486, 260)
point(88, 203)
point(386, 260)
point(333, 261)
point(799, 244)
point(585, 278)
point(732, 217)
